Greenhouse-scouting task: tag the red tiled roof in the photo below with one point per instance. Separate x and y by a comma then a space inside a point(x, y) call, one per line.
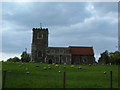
point(81, 50)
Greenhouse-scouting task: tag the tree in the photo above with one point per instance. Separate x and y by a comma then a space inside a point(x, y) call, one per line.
point(104, 59)
point(112, 57)
point(115, 57)
point(15, 59)
point(25, 57)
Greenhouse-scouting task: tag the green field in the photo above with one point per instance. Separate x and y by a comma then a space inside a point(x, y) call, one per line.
point(88, 77)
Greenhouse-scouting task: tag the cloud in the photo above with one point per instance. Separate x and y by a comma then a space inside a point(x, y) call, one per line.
point(32, 14)
point(93, 24)
point(15, 42)
point(5, 56)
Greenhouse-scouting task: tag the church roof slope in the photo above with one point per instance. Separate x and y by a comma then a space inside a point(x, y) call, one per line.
point(81, 50)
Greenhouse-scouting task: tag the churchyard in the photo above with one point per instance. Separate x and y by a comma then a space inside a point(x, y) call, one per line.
point(39, 75)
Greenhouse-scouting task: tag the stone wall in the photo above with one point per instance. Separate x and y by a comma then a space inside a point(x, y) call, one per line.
point(58, 55)
point(83, 59)
point(39, 44)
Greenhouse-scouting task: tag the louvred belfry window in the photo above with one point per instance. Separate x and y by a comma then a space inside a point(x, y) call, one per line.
point(40, 36)
point(40, 54)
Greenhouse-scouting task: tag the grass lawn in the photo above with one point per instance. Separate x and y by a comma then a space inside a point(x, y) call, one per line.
point(88, 77)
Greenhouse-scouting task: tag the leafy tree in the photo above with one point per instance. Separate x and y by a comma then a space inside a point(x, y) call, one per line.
point(104, 58)
point(10, 60)
point(115, 57)
point(112, 57)
point(15, 59)
point(25, 57)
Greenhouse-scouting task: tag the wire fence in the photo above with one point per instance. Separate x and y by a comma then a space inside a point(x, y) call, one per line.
point(61, 80)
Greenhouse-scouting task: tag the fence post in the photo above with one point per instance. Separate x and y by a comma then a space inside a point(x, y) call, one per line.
point(3, 79)
point(64, 80)
point(110, 79)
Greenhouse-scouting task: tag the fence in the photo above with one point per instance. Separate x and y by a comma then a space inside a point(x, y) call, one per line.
point(64, 79)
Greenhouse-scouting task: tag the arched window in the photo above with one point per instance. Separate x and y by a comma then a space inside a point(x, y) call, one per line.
point(63, 59)
point(39, 35)
point(40, 54)
point(61, 51)
point(84, 60)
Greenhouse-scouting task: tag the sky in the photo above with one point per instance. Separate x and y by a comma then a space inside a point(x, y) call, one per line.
point(69, 23)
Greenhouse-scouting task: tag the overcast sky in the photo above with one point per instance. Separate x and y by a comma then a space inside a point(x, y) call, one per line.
point(69, 23)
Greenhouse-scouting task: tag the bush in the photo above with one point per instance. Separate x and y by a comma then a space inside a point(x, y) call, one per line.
point(15, 59)
point(25, 57)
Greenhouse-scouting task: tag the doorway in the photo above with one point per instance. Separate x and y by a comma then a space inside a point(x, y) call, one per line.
point(50, 61)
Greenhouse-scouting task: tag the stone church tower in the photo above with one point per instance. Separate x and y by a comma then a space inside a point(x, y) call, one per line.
point(39, 44)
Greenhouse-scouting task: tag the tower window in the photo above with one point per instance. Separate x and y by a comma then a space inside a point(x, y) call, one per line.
point(61, 51)
point(40, 54)
point(48, 51)
point(52, 51)
point(39, 35)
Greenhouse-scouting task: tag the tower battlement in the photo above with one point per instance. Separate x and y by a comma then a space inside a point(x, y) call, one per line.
point(40, 28)
point(39, 44)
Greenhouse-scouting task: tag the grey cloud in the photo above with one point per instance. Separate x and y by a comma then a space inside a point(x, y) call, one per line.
point(66, 24)
point(106, 7)
point(15, 42)
point(47, 13)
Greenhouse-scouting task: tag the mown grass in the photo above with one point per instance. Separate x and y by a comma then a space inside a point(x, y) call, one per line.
point(87, 77)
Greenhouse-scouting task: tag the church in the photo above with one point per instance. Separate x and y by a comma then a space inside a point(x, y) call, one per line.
point(59, 55)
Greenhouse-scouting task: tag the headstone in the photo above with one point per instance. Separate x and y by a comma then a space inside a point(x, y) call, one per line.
point(49, 67)
point(27, 73)
point(26, 68)
point(64, 63)
point(56, 65)
point(45, 68)
point(59, 71)
point(104, 72)
point(79, 68)
point(72, 66)
point(64, 66)
point(37, 66)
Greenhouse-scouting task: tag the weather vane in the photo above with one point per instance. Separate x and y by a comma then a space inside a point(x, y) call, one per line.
point(41, 25)
point(25, 49)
